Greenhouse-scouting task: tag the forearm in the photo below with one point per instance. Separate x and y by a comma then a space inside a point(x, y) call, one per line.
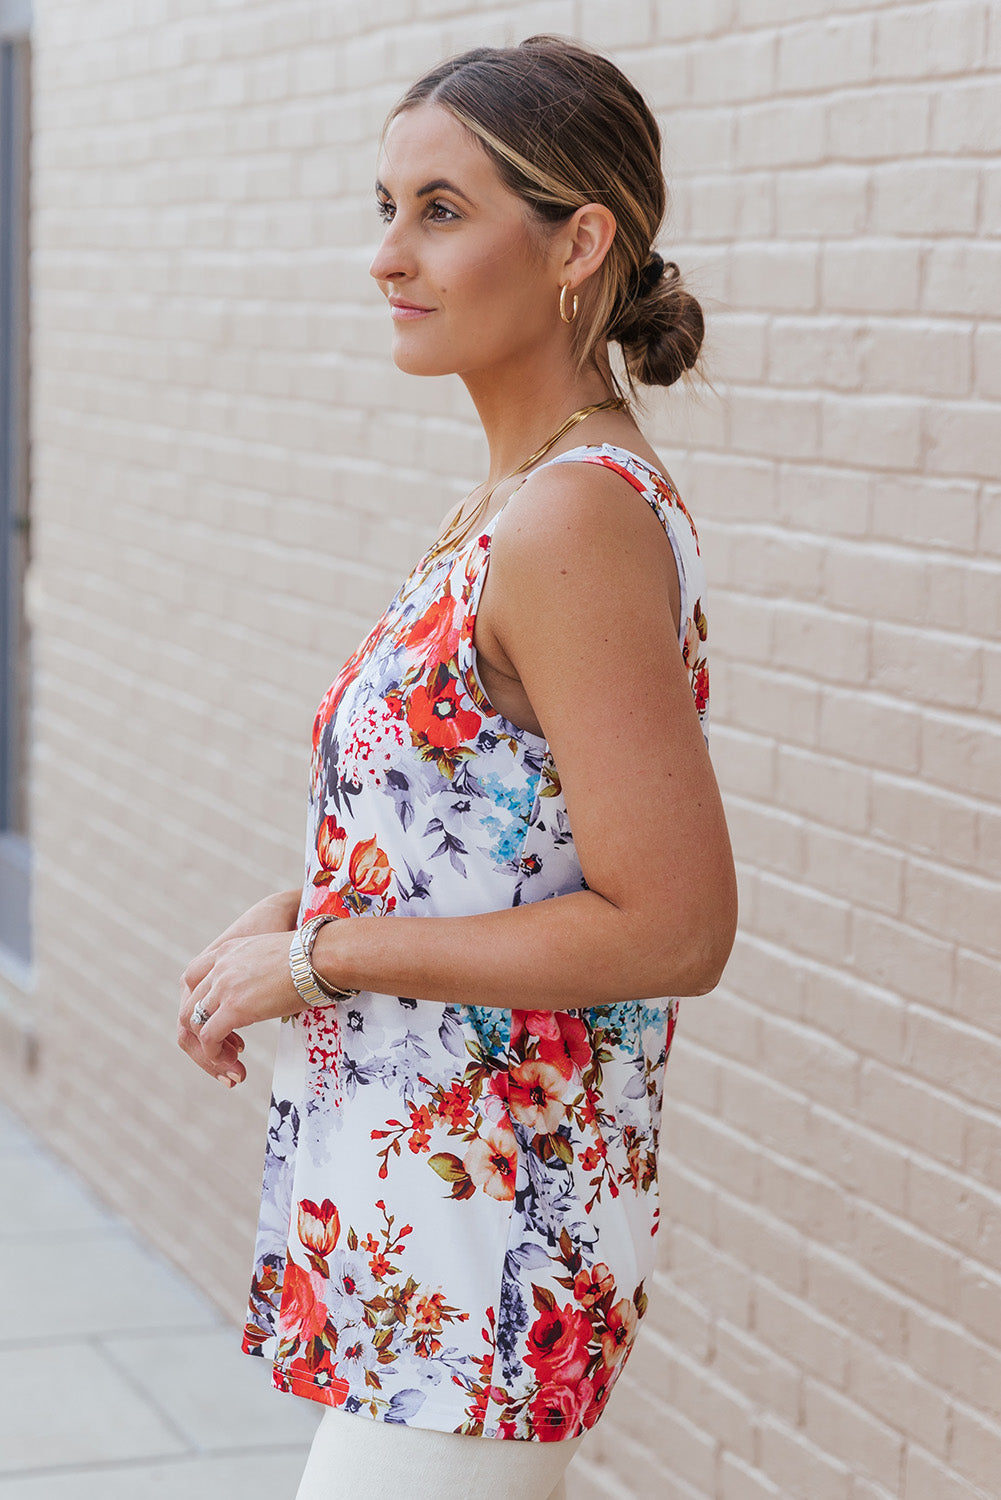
point(565, 952)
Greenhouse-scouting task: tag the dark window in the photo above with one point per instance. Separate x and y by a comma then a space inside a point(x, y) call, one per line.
point(15, 675)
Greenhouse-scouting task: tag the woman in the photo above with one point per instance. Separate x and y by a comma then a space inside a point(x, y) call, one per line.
point(460, 1186)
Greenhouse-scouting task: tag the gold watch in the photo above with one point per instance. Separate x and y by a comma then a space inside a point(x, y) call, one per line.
point(313, 989)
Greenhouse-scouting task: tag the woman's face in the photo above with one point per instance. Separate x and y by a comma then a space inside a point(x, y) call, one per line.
point(459, 247)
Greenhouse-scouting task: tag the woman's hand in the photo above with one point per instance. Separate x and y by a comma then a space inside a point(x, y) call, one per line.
point(273, 916)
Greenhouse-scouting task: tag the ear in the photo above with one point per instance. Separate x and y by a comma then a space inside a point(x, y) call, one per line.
point(586, 240)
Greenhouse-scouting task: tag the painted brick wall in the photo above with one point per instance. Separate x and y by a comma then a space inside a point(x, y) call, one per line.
point(229, 479)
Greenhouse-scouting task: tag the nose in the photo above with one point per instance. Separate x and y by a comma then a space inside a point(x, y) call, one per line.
point(392, 261)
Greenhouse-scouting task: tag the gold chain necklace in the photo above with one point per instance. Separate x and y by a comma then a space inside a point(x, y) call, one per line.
point(454, 532)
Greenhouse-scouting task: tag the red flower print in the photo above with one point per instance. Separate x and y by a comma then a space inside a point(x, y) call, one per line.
point(590, 1286)
point(592, 1157)
point(369, 869)
point(700, 686)
point(438, 718)
point(601, 1383)
point(541, 1023)
point(421, 1126)
point(435, 636)
point(330, 841)
point(556, 1410)
point(569, 1049)
point(379, 1265)
point(300, 1380)
point(535, 1096)
point(622, 1323)
point(557, 1345)
point(319, 1228)
point(492, 1163)
point(303, 1314)
point(455, 1106)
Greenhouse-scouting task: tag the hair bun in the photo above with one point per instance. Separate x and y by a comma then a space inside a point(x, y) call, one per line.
point(659, 324)
point(650, 274)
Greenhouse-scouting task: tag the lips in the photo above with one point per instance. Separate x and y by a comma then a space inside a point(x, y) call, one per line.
point(400, 309)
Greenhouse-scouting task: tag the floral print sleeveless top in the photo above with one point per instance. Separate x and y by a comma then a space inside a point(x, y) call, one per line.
point(459, 1202)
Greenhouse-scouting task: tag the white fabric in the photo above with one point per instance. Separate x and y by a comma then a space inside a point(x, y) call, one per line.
point(352, 1456)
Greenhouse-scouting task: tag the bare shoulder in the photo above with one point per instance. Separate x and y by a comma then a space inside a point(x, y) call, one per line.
point(582, 529)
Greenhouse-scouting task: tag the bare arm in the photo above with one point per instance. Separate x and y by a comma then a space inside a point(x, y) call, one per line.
point(581, 575)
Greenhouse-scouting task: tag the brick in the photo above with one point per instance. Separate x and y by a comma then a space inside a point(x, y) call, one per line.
point(772, 840)
point(780, 133)
point(745, 763)
point(805, 920)
point(815, 351)
point(808, 783)
point(777, 276)
point(739, 66)
point(739, 1482)
point(961, 753)
point(868, 1447)
point(901, 958)
point(975, 1450)
point(870, 727)
point(818, 642)
point(954, 1056)
point(815, 58)
point(933, 668)
point(975, 990)
point(915, 816)
point(987, 363)
point(810, 1342)
point(964, 439)
point(879, 124)
point(882, 432)
point(958, 1210)
point(924, 198)
point(982, 1159)
point(953, 904)
point(856, 1300)
point(902, 1255)
point(806, 1202)
point(927, 1479)
point(717, 208)
point(822, 200)
point(965, 118)
point(714, 1278)
point(777, 1115)
point(917, 41)
point(934, 513)
point(798, 1466)
point(954, 278)
point(772, 702)
point(872, 275)
point(858, 1158)
point(604, 23)
point(890, 1390)
point(833, 502)
point(748, 1364)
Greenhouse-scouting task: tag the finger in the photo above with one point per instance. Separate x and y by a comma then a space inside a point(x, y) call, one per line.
point(226, 1065)
point(221, 1057)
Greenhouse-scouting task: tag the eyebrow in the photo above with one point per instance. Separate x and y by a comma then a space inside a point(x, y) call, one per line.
point(440, 184)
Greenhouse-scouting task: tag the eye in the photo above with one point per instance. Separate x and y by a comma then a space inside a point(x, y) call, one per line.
point(384, 209)
point(437, 206)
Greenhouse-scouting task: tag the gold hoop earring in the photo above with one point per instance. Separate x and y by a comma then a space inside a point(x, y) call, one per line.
point(563, 303)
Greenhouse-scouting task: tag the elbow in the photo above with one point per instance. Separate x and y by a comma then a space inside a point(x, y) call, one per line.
point(711, 935)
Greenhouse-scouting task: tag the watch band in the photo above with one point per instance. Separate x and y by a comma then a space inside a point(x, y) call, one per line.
point(307, 937)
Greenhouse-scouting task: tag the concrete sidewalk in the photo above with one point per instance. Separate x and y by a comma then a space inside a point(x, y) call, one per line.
point(117, 1377)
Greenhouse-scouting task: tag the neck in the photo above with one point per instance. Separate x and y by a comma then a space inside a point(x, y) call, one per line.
point(520, 408)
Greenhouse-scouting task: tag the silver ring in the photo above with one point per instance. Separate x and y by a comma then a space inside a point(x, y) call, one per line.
point(199, 1015)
